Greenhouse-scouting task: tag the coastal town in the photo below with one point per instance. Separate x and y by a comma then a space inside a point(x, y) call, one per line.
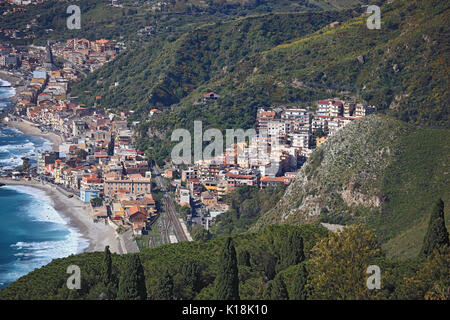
point(93, 156)
point(224, 150)
point(95, 160)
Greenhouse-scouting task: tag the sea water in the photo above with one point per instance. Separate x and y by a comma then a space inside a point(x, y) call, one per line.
point(32, 233)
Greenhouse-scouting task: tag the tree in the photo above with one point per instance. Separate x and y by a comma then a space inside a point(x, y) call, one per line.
point(437, 234)
point(291, 252)
point(431, 281)
point(97, 202)
point(164, 289)
point(338, 264)
point(81, 153)
point(187, 283)
point(267, 294)
point(202, 235)
point(191, 273)
point(299, 289)
point(132, 280)
point(106, 288)
point(244, 258)
point(107, 267)
point(227, 281)
point(278, 290)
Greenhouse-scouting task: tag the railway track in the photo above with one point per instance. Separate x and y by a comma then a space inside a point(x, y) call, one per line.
point(170, 221)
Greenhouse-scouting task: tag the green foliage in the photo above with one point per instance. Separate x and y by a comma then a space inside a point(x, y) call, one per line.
point(227, 281)
point(189, 281)
point(107, 288)
point(132, 280)
point(337, 264)
point(247, 204)
point(299, 287)
point(337, 269)
point(202, 235)
point(277, 290)
point(164, 290)
point(431, 281)
point(437, 234)
point(243, 258)
point(391, 192)
point(291, 251)
point(107, 267)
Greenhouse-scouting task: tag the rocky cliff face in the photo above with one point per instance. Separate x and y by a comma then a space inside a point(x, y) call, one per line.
point(343, 176)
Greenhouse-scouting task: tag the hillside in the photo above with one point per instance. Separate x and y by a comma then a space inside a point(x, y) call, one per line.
point(167, 69)
point(49, 282)
point(278, 263)
point(47, 20)
point(404, 70)
point(377, 170)
point(276, 59)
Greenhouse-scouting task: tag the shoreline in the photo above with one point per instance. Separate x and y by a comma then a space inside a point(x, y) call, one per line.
point(13, 79)
point(77, 215)
point(28, 128)
point(24, 126)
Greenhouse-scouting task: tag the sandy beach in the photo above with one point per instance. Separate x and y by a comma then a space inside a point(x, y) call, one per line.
point(77, 213)
point(79, 216)
point(29, 129)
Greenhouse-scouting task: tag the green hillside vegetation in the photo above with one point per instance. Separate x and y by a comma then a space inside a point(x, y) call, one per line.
point(381, 171)
point(49, 282)
point(175, 73)
point(247, 204)
point(161, 73)
point(280, 59)
point(99, 20)
point(280, 262)
point(405, 63)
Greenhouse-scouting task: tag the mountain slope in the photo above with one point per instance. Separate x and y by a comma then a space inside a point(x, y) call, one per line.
point(167, 69)
point(402, 69)
point(47, 20)
point(377, 170)
point(49, 282)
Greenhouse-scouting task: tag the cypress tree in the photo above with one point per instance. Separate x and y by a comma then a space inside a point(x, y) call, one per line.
point(437, 234)
point(267, 294)
point(278, 290)
point(191, 279)
point(227, 281)
point(108, 284)
point(164, 289)
point(132, 280)
point(106, 274)
point(299, 290)
point(244, 258)
point(291, 250)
